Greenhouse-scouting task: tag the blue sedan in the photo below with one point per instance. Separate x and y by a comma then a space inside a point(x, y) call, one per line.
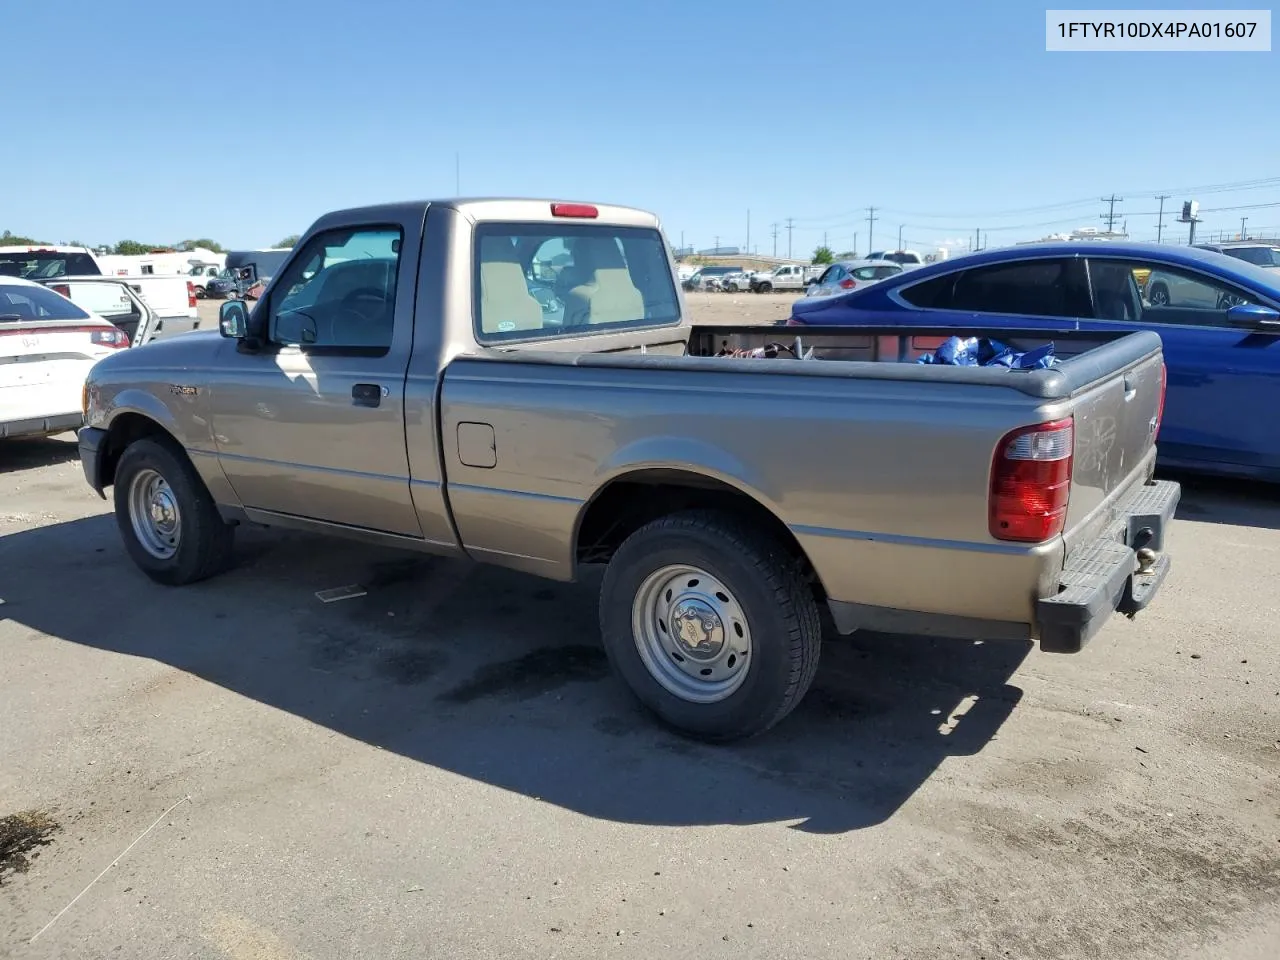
point(1219, 318)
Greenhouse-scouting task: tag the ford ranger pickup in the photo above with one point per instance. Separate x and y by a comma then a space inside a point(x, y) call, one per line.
point(516, 382)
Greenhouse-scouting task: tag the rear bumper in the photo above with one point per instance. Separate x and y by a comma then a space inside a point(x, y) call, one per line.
point(1105, 576)
point(41, 426)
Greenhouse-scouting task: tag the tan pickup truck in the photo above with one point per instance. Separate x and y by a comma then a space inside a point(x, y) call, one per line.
point(515, 382)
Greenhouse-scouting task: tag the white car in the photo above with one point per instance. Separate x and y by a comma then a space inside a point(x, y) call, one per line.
point(846, 275)
point(48, 344)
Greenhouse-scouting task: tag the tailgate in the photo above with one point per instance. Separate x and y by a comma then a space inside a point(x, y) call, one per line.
point(1116, 421)
point(166, 296)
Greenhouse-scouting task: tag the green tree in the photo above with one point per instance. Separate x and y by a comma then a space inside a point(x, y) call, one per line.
point(290, 241)
point(823, 255)
point(131, 248)
point(204, 242)
point(8, 239)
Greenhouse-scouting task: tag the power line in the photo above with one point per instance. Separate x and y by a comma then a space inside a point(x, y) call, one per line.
point(1110, 215)
point(1229, 187)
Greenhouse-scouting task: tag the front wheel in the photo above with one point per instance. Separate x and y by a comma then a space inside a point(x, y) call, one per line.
point(170, 524)
point(712, 625)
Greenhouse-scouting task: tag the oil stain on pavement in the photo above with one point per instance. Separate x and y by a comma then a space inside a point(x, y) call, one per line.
point(21, 837)
point(537, 672)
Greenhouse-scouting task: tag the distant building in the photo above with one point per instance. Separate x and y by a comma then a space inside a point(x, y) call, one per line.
point(1082, 233)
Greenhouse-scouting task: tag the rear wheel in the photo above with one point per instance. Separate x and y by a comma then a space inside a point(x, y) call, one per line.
point(711, 625)
point(764, 288)
point(170, 524)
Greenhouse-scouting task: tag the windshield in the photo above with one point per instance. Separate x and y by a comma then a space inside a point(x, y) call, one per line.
point(20, 303)
point(1262, 256)
point(45, 264)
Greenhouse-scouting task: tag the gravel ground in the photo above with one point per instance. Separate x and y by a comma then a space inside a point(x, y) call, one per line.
point(444, 767)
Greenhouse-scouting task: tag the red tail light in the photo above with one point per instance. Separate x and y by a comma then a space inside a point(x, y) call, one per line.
point(191, 294)
point(583, 210)
point(61, 288)
point(793, 322)
point(114, 337)
point(1031, 481)
point(1164, 386)
point(848, 283)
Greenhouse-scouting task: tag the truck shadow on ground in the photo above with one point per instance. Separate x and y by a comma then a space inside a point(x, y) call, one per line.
point(31, 454)
point(500, 677)
point(1243, 503)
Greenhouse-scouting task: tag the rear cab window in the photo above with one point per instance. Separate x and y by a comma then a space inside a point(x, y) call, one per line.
point(543, 280)
point(46, 264)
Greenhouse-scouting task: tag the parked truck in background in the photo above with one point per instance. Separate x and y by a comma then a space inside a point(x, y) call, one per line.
point(788, 276)
point(171, 297)
point(399, 383)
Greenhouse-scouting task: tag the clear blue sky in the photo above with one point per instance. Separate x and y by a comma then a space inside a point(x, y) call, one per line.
point(244, 121)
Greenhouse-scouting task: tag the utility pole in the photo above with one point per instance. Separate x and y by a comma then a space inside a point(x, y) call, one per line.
point(871, 226)
point(716, 247)
point(824, 238)
point(900, 226)
point(854, 251)
point(789, 238)
point(682, 242)
point(1110, 215)
point(1243, 235)
point(1160, 222)
point(775, 241)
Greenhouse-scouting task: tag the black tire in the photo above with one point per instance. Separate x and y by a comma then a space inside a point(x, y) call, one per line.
point(764, 288)
point(1158, 295)
point(205, 540)
point(785, 628)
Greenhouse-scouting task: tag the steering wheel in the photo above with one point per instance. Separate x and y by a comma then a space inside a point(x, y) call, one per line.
point(363, 305)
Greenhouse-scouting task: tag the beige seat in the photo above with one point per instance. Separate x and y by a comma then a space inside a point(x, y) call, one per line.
point(609, 296)
point(506, 304)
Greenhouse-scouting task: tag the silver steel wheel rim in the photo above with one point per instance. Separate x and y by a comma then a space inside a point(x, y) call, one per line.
point(691, 633)
point(154, 514)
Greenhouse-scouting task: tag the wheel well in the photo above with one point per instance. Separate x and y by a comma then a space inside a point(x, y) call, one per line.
point(628, 503)
point(124, 430)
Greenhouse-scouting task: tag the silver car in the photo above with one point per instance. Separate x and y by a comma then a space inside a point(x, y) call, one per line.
point(846, 275)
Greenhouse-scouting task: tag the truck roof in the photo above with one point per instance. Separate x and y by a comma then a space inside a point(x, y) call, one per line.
point(500, 208)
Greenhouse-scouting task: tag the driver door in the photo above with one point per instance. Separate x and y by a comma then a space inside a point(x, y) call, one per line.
point(312, 425)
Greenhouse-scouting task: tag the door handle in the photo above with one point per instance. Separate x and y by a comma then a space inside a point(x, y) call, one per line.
point(366, 394)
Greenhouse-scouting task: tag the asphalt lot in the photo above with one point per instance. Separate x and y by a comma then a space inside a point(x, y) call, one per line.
point(444, 767)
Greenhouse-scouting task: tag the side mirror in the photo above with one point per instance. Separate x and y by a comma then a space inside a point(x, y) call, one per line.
point(1254, 316)
point(233, 320)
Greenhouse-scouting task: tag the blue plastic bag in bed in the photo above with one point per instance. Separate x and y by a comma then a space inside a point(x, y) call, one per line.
point(985, 352)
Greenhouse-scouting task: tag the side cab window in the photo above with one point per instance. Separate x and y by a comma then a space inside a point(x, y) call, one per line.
point(339, 293)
